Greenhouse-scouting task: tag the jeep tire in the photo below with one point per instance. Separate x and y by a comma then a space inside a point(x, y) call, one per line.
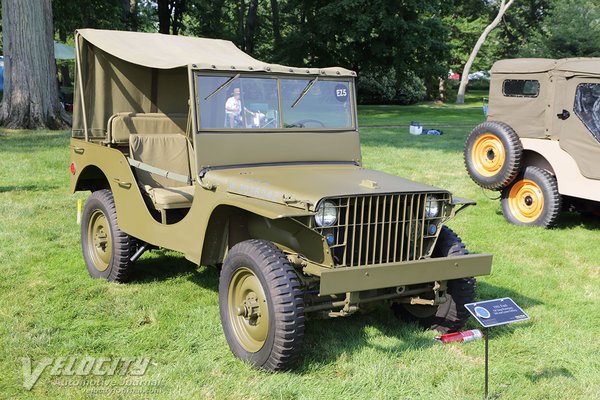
point(261, 305)
point(451, 315)
point(493, 155)
point(106, 249)
point(532, 199)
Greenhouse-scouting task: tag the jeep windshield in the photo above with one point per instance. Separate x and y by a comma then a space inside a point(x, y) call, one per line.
point(234, 102)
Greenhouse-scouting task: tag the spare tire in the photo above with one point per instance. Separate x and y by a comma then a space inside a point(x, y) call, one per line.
point(493, 155)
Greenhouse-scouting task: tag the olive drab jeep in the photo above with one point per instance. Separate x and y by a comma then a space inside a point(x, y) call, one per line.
point(540, 145)
point(191, 145)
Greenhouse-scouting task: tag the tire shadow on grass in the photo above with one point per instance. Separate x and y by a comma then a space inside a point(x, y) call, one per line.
point(328, 341)
point(569, 220)
point(164, 265)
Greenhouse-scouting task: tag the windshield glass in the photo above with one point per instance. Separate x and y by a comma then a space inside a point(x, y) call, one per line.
point(234, 102)
point(326, 104)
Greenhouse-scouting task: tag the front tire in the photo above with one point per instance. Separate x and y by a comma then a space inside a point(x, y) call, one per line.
point(532, 199)
point(451, 315)
point(106, 248)
point(261, 305)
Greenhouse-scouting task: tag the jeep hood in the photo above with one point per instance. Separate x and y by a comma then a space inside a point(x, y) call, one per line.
point(303, 186)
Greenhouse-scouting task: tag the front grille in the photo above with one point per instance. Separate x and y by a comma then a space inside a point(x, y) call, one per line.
point(383, 228)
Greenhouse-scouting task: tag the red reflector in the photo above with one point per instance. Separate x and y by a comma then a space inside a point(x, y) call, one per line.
point(72, 168)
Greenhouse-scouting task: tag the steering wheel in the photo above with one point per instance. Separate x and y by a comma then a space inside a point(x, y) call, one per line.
point(301, 123)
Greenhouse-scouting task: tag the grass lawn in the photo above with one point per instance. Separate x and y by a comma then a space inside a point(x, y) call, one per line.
point(49, 306)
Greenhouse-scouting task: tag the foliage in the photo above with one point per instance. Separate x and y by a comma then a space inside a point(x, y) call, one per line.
point(571, 29)
point(386, 41)
point(377, 86)
point(100, 14)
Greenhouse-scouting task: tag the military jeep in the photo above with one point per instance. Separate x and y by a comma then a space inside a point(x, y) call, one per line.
point(540, 145)
point(191, 145)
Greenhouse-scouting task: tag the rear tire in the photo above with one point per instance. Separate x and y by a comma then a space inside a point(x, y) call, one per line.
point(493, 154)
point(261, 305)
point(532, 199)
point(451, 315)
point(107, 250)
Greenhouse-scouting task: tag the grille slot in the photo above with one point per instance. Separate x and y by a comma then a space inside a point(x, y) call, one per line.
point(383, 229)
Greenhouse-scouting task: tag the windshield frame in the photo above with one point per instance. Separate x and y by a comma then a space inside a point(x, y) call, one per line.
point(278, 77)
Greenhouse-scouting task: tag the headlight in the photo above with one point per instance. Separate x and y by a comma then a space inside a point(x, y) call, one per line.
point(432, 207)
point(326, 214)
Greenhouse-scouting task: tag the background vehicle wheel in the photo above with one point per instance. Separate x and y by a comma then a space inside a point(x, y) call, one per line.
point(493, 154)
point(452, 315)
point(261, 305)
point(532, 199)
point(106, 249)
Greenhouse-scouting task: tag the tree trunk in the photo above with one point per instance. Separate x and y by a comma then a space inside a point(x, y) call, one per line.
point(276, 25)
point(464, 79)
point(442, 90)
point(178, 7)
point(164, 16)
point(241, 29)
point(30, 87)
point(251, 26)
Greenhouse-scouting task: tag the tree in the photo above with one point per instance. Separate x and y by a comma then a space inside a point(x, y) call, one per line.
point(399, 44)
point(504, 5)
point(170, 15)
point(30, 88)
point(571, 29)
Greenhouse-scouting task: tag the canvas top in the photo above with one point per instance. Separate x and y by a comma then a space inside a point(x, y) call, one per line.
point(533, 65)
point(156, 50)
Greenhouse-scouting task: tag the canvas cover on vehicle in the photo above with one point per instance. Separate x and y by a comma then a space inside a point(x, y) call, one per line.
point(148, 73)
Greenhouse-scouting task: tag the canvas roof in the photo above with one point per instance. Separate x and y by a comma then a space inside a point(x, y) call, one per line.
point(523, 65)
point(156, 50)
point(533, 65)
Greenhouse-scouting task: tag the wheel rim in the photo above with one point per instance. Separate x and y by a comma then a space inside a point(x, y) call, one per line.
point(488, 155)
point(99, 240)
point(526, 201)
point(248, 310)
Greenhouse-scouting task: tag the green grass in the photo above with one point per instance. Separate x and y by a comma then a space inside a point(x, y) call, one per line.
point(49, 306)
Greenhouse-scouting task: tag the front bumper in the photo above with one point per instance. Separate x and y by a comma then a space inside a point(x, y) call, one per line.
point(355, 279)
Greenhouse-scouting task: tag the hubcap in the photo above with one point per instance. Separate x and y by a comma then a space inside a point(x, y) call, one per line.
point(99, 240)
point(526, 201)
point(488, 155)
point(248, 310)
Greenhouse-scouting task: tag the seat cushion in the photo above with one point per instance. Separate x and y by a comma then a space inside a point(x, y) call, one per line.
point(122, 125)
point(171, 197)
point(169, 152)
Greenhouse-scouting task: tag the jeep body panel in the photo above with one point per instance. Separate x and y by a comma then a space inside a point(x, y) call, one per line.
point(357, 279)
point(304, 185)
point(187, 235)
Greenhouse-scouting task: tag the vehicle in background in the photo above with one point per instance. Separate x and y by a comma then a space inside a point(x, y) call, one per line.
point(540, 145)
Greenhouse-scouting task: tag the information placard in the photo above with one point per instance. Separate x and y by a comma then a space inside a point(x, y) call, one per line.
point(497, 312)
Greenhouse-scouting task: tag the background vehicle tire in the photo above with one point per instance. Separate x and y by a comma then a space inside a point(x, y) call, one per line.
point(261, 305)
point(452, 315)
point(532, 199)
point(106, 249)
point(493, 155)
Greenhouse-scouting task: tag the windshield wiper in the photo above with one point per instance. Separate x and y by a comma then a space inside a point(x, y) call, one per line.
point(217, 90)
point(308, 86)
